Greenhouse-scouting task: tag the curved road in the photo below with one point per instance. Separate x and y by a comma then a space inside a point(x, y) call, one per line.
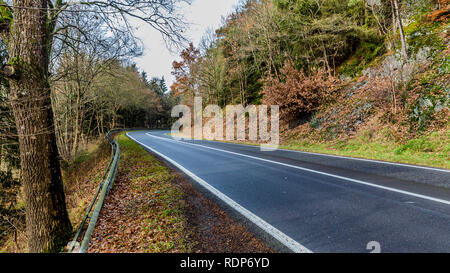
point(318, 203)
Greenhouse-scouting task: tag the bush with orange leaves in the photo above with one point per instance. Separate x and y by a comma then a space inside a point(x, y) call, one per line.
point(442, 13)
point(299, 93)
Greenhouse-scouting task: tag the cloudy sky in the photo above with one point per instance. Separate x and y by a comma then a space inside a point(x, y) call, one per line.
point(201, 14)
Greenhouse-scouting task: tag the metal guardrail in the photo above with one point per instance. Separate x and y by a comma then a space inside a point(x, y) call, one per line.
point(103, 189)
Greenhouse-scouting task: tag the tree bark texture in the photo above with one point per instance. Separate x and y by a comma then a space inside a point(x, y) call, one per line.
point(402, 33)
point(47, 221)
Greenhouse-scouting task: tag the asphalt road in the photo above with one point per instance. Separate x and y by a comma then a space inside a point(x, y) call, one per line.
point(318, 203)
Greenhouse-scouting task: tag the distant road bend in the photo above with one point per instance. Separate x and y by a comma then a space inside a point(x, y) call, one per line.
point(317, 203)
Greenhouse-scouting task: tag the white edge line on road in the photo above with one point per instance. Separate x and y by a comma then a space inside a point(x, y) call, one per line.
point(340, 156)
point(314, 171)
point(271, 230)
point(371, 160)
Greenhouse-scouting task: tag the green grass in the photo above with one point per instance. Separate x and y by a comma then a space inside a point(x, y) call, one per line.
point(431, 150)
point(377, 151)
point(163, 223)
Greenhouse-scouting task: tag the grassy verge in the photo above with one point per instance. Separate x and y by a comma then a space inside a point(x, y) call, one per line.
point(430, 150)
point(143, 213)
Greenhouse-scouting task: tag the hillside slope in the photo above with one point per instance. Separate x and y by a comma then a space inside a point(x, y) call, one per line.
point(390, 110)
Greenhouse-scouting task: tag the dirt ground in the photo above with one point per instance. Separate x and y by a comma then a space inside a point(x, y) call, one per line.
point(215, 231)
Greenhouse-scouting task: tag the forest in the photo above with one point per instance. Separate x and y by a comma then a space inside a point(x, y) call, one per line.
point(303, 55)
point(262, 39)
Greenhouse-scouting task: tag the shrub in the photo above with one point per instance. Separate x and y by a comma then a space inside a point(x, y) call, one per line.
point(299, 93)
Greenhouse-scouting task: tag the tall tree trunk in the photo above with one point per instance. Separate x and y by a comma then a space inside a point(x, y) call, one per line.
point(102, 127)
point(400, 27)
point(394, 20)
point(47, 221)
point(77, 124)
point(1, 156)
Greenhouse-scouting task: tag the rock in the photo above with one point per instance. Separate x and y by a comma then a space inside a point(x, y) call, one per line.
point(73, 247)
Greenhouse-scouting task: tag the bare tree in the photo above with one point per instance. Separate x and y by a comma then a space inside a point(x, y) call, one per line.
point(80, 54)
point(400, 28)
point(29, 29)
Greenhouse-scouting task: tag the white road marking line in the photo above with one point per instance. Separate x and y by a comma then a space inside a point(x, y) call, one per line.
point(371, 160)
point(274, 232)
point(343, 157)
point(314, 171)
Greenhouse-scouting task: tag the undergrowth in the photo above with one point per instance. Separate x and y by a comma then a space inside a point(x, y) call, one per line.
point(81, 176)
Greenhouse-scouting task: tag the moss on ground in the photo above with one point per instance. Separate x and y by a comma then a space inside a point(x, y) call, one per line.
point(366, 53)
